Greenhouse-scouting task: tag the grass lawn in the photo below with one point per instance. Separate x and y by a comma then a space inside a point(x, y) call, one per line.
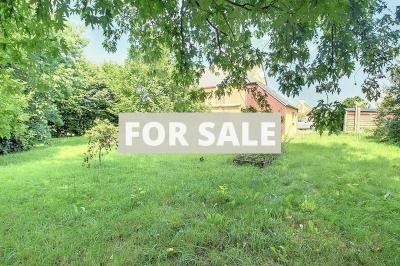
point(328, 200)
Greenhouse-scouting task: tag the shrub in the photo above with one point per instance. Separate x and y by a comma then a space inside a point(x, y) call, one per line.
point(102, 139)
point(388, 126)
point(13, 144)
point(388, 120)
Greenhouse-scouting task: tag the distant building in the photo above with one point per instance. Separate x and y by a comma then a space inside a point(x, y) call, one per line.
point(303, 122)
point(304, 110)
point(241, 99)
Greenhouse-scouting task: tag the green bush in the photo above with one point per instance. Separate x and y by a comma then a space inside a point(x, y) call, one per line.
point(388, 120)
point(388, 126)
point(393, 128)
point(12, 144)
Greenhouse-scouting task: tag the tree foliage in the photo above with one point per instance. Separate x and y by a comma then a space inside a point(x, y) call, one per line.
point(388, 120)
point(228, 34)
point(89, 98)
point(351, 102)
point(11, 104)
point(328, 117)
point(32, 80)
point(62, 94)
point(144, 85)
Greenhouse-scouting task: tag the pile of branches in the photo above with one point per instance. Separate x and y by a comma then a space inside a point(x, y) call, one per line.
point(259, 159)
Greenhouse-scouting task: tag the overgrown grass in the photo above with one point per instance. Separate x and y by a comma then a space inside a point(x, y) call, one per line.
point(328, 200)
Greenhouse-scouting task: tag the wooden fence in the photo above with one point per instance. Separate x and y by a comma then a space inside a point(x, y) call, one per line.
point(358, 119)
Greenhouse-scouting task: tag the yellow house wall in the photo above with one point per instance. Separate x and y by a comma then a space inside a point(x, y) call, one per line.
point(237, 100)
point(290, 122)
point(228, 103)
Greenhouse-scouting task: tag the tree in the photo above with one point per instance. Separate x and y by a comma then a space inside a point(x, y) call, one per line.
point(103, 137)
point(32, 83)
point(89, 98)
point(11, 104)
point(144, 85)
point(101, 92)
point(351, 102)
point(30, 46)
point(85, 105)
point(388, 120)
point(228, 34)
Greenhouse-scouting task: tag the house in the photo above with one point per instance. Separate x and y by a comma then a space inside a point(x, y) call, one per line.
point(303, 122)
point(304, 110)
point(241, 99)
point(359, 119)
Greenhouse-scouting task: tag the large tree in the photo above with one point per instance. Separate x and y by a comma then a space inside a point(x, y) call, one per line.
point(235, 35)
point(33, 77)
point(149, 86)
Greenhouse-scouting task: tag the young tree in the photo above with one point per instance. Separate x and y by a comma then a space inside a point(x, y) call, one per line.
point(103, 137)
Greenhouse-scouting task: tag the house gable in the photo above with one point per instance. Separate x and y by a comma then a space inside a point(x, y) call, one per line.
point(275, 104)
point(241, 99)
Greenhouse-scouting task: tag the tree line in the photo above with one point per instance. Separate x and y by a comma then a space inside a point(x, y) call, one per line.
point(60, 93)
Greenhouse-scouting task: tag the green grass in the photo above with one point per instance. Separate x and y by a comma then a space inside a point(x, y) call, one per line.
point(329, 200)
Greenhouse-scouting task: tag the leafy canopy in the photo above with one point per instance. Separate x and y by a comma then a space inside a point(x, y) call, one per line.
point(143, 85)
point(222, 33)
point(328, 116)
point(36, 69)
point(233, 35)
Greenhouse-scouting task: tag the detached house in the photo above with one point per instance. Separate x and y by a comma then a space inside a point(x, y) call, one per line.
point(304, 110)
point(241, 99)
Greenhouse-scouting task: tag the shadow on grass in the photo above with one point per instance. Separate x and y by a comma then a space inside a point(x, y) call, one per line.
point(375, 139)
point(41, 152)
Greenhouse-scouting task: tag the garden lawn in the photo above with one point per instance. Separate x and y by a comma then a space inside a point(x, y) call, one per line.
point(328, 200)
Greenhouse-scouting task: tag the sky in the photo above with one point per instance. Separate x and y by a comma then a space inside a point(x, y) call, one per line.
point(96, 53)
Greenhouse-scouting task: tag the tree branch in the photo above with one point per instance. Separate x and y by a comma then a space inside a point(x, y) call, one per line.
point(182, 37)
point(244, 5)
point(251, 7)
